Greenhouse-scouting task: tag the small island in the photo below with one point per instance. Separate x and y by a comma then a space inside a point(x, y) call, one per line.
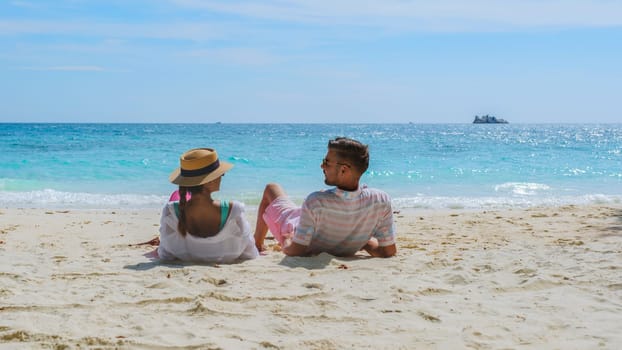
point(488, 119)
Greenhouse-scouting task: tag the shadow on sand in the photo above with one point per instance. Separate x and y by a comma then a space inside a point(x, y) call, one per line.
point(319, 261)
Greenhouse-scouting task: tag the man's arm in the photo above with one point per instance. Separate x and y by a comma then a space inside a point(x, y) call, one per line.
point(294, 249)
point(386, 232)
point(304, 232)
point(381, 252)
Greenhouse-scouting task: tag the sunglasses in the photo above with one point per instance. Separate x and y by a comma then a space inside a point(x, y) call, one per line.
point(326, 161)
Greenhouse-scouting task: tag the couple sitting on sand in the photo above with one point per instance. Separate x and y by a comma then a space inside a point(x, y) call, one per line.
point(339, 221)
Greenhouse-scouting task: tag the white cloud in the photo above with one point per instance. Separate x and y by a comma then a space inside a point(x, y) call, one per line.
point(439, 15)
point(389, 15)
point(178, 30)
point(238, 56)
point(67, 68)
point(24, 4)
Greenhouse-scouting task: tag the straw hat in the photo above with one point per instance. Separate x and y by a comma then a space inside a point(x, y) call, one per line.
point(198, 166)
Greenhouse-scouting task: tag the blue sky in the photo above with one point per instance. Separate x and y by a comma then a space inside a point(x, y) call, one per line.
point(310, 61)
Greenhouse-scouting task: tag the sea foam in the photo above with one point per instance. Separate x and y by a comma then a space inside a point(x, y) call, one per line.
point(57, 199)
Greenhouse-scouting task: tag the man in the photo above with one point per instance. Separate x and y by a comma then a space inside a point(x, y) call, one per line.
point(340, 220)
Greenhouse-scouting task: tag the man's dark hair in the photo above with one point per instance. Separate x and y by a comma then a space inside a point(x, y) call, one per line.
point(352, 151)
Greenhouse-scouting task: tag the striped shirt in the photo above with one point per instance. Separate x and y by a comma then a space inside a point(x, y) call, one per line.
point(341, 222)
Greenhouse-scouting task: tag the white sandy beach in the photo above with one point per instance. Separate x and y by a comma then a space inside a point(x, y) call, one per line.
point(544, 278)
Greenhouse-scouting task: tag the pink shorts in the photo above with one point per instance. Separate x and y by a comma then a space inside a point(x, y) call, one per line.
point(282, 216)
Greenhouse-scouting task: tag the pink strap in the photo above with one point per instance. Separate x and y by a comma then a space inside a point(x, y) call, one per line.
point(175, 196)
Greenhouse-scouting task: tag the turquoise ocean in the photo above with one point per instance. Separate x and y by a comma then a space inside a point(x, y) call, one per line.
point(427, 166)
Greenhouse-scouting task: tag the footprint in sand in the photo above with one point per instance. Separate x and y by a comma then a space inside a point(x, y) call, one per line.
point(525, 272)
point(313, 286)
point(457, 279)
point(431, 291)
point(428, 317)
point(9, 229)
point(214, 281)
point(615, 286)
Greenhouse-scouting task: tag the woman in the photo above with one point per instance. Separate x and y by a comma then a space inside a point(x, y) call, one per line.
point(200, 228)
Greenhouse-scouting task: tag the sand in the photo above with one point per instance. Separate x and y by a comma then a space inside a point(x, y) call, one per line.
point(544, 278)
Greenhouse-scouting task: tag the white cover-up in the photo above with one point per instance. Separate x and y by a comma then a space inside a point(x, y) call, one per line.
point(234, 241)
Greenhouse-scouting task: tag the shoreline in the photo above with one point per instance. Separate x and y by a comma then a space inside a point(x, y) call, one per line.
point(543, 277)
point(54, 200)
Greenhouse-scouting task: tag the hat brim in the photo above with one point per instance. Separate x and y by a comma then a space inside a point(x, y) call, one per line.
point(190, 181)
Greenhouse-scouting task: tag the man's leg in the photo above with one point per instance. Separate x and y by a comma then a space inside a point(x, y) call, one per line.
point(270, 193)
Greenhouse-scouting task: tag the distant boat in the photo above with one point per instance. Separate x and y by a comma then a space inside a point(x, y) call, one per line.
point(489, 119)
